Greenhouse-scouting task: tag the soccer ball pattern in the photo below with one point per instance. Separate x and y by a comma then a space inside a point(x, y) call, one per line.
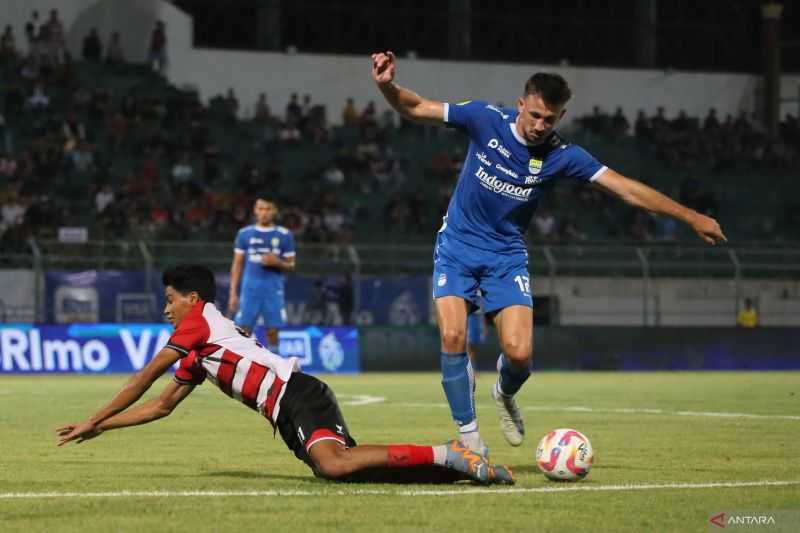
point(565, 455)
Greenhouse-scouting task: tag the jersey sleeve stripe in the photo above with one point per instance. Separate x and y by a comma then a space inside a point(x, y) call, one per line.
point(289, 254)
point(182, 381)
point(323, 434)
point(446, 112)
point(597, 174)
point(180, 349)
point(238, 250)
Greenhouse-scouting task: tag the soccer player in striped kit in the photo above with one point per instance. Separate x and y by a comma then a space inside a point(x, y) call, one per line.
point(209, 346)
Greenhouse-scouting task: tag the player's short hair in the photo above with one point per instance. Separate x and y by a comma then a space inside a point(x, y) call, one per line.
point(188, 278)
point(552, 87)
point(267, 198)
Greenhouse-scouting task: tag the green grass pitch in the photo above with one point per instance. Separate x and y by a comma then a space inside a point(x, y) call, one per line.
point(649, 431)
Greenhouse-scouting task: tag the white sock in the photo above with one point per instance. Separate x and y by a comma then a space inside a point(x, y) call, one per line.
point(439, 454)
point(472, 439)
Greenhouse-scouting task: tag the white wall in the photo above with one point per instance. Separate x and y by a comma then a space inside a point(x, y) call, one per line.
point(331, 79)
point(671, 302)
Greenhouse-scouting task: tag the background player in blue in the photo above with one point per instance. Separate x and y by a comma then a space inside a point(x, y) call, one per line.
point(476, 331)
point(514, 156)
point(264, 252)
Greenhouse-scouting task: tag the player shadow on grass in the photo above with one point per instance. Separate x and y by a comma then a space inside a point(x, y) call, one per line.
point(424, 474)
point(245, 474)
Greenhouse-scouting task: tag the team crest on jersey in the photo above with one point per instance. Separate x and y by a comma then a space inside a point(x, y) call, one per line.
point(465, 102)
point(275, 242)
point(534, 165)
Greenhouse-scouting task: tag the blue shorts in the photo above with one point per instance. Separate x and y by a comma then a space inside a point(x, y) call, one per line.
point(460, 270)
point(476, 329)
point(269, 304)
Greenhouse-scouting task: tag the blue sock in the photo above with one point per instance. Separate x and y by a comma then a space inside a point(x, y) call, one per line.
point(511, 377)
point(458, 382)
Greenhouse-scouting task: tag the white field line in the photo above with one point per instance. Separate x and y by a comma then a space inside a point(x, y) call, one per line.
point(622, 410)
point(386, 492)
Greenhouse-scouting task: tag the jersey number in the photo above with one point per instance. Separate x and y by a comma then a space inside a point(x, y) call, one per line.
point(524, 283)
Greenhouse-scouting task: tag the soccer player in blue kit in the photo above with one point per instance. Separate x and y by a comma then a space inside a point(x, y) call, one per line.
point(264, 251)
point(514, 156)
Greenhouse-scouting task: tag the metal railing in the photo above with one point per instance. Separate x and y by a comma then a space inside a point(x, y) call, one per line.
point(547, 261)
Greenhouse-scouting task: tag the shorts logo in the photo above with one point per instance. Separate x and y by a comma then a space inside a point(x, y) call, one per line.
point(442, 280)
point(534, 165)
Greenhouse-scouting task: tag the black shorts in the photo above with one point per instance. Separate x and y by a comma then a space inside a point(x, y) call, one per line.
point(308, 414)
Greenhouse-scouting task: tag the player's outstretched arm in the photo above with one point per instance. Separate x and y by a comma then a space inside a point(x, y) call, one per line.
point(640, 195)
point(127, 396)
point(406, 102)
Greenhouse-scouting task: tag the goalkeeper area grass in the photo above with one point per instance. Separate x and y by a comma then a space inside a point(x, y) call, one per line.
point(671, 451)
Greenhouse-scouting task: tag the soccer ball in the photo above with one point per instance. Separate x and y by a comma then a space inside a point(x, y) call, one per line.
point(565, 455)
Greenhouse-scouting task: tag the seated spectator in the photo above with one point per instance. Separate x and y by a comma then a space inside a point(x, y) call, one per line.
point(157, 51)
point(369, 116)
point(545, 224)
point(182, 170)
point(333, 175)
point(294, 113)
point(619, 124)
point(82, 158)
point(38, 99)
point(92, 46)
point(350, 113)
point(231, 106)
point(8, 165)
point(747, 317)
point(262, 112)
point(8, 46)
point(641, 127)
point(711, 123)
point(103, 198)
point(114, 54)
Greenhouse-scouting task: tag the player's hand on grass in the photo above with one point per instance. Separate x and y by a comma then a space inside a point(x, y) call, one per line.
point(270, 260)
point(383, 67)
point(708, 229)
point(79, 432)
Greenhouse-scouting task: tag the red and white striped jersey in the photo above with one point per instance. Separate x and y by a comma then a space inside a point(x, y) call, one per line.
point(212, 346)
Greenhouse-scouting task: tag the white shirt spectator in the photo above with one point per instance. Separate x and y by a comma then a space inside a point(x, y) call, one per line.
point(103, 198)
point(545, 223)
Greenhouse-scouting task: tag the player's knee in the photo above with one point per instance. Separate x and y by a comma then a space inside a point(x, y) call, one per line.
point(518, 350)
point(454, 339)
point(333, 466)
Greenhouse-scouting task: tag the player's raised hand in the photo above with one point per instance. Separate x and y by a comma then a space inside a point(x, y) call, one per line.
point(708, 229)
point(384, 67)
point(80, 432)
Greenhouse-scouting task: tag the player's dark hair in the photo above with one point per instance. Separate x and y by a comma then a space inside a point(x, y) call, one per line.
point(188, 278)
point(552, 87)
point(268, 198)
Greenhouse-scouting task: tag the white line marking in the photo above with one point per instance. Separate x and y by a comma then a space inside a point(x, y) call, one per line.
point(385, 492)
point(625, 410)
point(360, 399)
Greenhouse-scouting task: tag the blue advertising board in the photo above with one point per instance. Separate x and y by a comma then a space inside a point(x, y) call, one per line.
point(121, 296)
point(123, 348)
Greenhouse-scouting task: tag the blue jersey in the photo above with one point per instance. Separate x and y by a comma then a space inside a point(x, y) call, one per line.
point(253, 241)
point(504, 177)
